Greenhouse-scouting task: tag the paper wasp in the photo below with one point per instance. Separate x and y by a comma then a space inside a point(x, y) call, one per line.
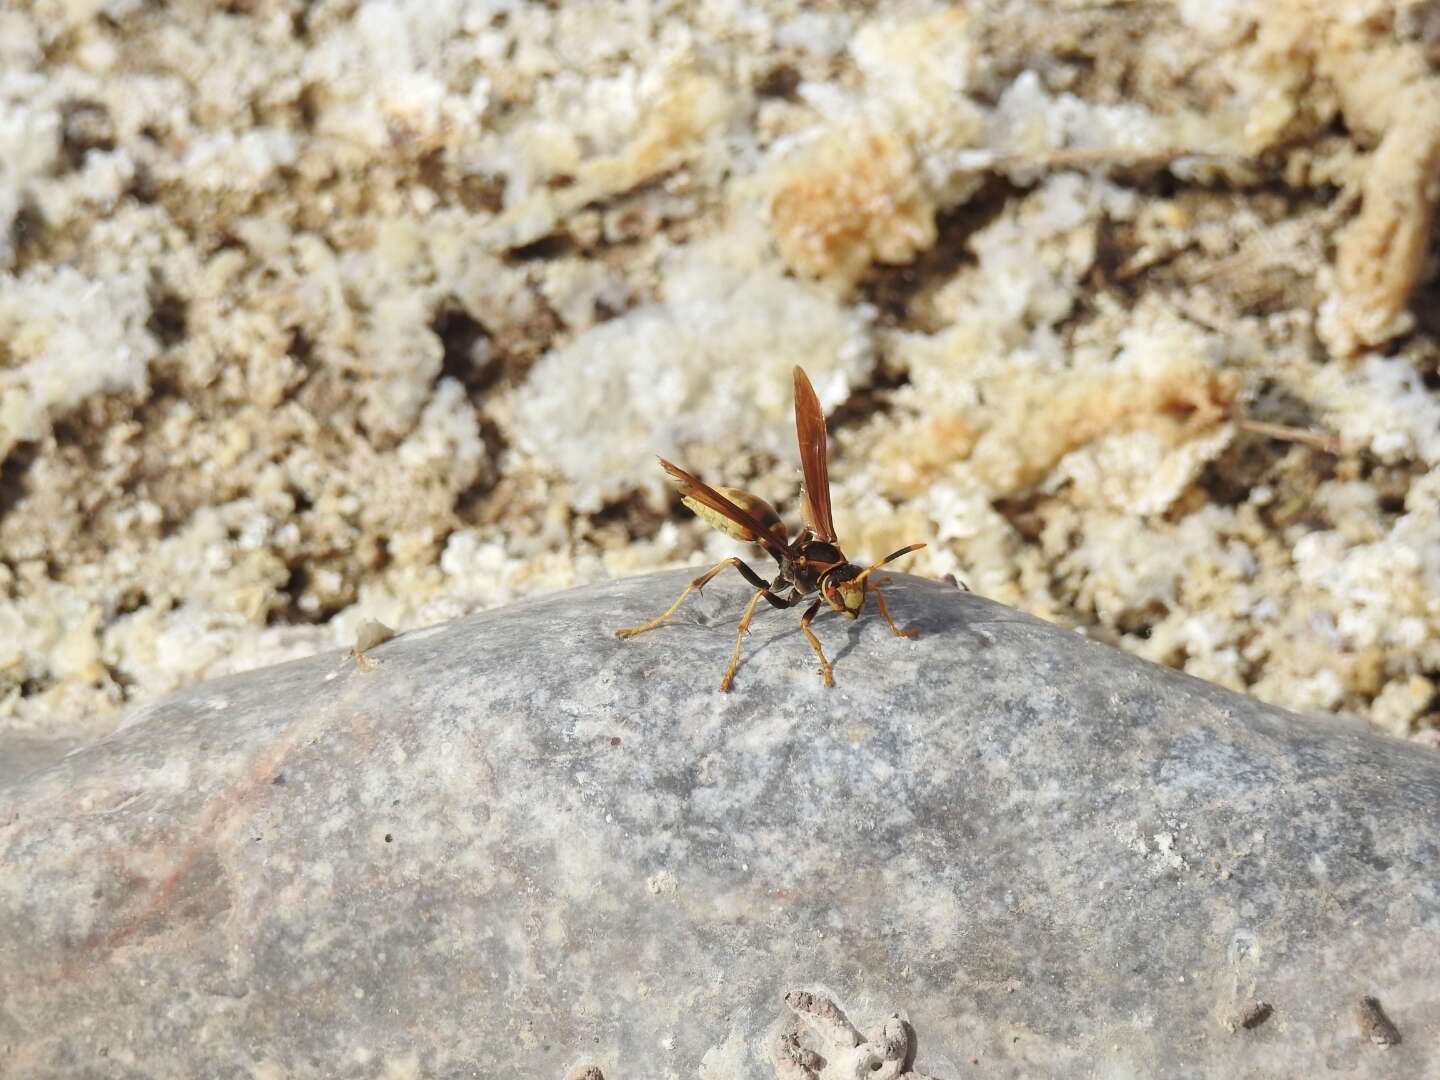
point(810, 563)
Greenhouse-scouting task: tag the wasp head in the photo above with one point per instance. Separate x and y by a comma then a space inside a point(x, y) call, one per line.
point(844, 590)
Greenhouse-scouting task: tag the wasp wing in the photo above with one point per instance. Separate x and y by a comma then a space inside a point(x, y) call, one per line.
point(810, 431)
point(747, 526)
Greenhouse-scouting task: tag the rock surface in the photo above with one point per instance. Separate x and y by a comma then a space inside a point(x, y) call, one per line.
point(519, 847)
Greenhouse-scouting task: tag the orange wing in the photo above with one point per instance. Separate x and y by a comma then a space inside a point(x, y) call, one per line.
point(810, 430)
point(750, 528)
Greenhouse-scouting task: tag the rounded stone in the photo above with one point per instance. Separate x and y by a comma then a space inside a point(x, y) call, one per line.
point(514, 845)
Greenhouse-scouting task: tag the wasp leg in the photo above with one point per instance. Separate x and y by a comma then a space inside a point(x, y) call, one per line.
point(805, 620)
point(740, 633)
point(775, 601)
point(699, 583)
point(909, 631)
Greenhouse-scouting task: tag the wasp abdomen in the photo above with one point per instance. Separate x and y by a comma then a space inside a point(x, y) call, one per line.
point(753, 505)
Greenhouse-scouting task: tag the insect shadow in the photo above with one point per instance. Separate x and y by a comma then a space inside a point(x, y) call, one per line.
point(938, 613)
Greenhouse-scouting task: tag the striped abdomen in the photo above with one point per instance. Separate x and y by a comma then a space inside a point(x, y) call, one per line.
point(753, 505)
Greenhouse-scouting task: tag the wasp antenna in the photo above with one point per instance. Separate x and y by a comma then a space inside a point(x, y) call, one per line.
point(888, 559)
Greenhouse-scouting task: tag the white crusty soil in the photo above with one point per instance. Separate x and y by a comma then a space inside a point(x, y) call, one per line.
point(317, 313)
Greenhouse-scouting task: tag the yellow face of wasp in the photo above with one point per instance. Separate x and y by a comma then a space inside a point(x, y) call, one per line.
point(846, 597)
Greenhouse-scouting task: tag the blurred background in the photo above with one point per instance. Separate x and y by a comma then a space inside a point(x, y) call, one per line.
point(312, 313)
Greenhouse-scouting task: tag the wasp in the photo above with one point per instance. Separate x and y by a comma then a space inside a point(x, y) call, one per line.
point(810, 563)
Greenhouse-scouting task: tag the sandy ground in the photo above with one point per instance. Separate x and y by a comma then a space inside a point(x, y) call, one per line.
point(313, 313)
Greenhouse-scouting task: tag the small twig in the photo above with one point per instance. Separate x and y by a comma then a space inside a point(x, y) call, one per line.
point(1320, 440)
point(1095, 155)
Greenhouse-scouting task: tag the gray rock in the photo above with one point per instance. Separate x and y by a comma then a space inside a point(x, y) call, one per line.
point(519, 847)
point(24, 753)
